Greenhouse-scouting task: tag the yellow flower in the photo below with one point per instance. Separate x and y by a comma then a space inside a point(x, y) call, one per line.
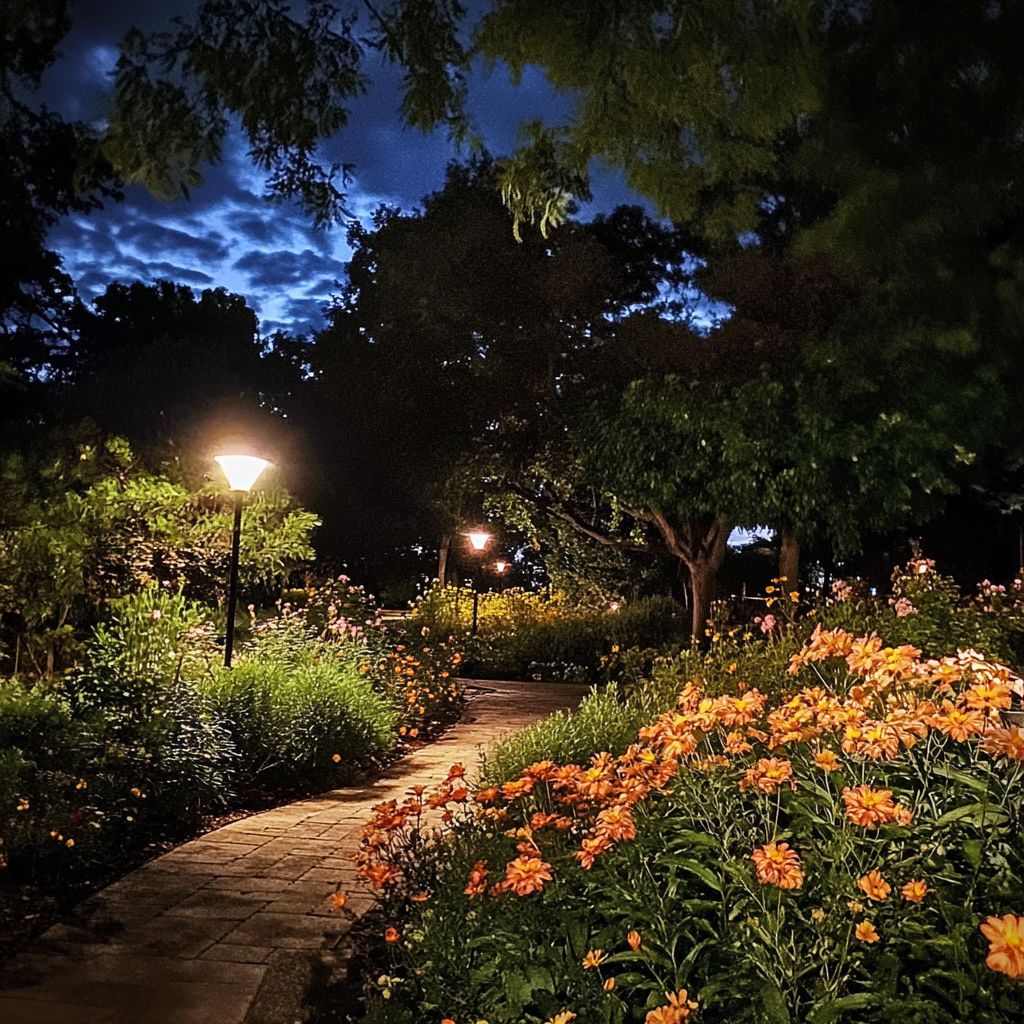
point(336, 758)
point(594, 958)
point(562, 1018)
point(865, 931)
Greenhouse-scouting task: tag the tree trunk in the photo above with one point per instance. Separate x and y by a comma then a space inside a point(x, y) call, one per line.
point(700, 543)
point(789, 564)
point(702, 579)
point(442, 559)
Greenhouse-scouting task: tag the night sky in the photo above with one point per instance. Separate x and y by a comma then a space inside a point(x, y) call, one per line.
point(227, 235)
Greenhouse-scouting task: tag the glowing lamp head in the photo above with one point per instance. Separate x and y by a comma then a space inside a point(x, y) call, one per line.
point(479, 539)
point(615, 606)
point(501, 566)
point(241, 470)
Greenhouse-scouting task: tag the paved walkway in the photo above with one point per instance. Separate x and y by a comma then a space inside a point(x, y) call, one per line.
point(234, 927)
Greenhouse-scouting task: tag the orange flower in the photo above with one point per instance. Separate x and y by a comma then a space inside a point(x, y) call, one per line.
point(958, 723)
point(447, 1020)
point(616, 823)
point(379, 874)
point(777, 864)
point(865, 931)
point(477, 879)
point(391, 935)
point(1006, 944)
point(768, 774)
point(527, 874)
point(869, 807)
point(486, 796)
point(562, 1018)
point(594, 958)
point(633, 938)
point(874, 886)
point(609, 984)
point(826, 760)
point(1005, 743)
point(914, 891)
point(338, 900)
point(676, 1012)
point(987, 695)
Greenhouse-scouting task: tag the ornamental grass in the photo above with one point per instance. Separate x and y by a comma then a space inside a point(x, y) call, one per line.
point(851, 851)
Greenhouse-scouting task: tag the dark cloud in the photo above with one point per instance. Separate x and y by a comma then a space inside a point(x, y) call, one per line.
point(270, 269)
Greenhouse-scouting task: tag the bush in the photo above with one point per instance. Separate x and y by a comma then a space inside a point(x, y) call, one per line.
point(544, 636)
point(293, 721)
point(851, 853)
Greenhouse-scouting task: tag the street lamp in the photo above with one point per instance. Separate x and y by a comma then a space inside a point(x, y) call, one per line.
point(499, 568)
point(241, 472)
point(479, 540)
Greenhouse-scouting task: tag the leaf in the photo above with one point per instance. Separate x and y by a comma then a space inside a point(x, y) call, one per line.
point(983, 814)
point(972, 851)
point(773, 1005)
point(948, 772)
point(834, 1009)
point(705, 875)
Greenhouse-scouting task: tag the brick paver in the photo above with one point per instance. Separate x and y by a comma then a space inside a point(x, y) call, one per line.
point(231, 927)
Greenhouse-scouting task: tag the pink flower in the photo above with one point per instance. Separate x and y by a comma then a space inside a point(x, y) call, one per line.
point(768, 624)
point(903, 607)
point(841, 590)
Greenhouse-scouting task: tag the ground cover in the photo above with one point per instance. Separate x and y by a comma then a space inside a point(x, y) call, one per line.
point(815, 824)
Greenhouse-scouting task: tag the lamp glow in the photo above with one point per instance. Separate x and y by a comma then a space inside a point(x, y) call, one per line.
point(241, 471)
point(479, 540)
point(500, 566)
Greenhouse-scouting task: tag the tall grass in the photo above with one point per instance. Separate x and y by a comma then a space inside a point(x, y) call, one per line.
point(293, 722)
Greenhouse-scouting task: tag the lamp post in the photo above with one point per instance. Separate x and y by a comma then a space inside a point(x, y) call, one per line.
point(479, 540)
point(241, 472)
point(499, 568)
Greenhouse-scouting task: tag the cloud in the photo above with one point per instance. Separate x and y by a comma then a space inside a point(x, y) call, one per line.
point(283, 267)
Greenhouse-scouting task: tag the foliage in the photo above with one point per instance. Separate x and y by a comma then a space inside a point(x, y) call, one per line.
point(545, 635)
point(825, 857)
point(117, 752)
point(927, 610)
point(292, 722)
point(95, 527)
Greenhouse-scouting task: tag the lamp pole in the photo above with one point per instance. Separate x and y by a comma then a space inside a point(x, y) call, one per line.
point(479, 540)
point(236, 539)
point(241, 472)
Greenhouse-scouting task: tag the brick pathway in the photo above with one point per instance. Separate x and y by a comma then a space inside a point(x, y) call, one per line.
point(234, 927)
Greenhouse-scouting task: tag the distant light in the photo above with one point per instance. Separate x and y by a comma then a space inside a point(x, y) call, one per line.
point(501, 566)
point(615, 606)
point(241, 470)
point(479, 540)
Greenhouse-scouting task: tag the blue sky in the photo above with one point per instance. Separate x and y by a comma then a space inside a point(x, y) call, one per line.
point(227, 235)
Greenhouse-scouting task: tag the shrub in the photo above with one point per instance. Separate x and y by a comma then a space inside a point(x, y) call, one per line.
point(853, 852)
point(293, 721)
point(545, 636)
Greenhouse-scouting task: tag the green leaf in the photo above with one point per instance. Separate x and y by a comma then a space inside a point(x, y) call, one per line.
point(972, 851)
point(981, 814)
point(773, 1005)
point(706, 876)
point(833, 1010)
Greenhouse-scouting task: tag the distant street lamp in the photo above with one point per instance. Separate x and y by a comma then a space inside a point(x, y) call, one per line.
point(479, 540)
point(241, 472)
point(499, 568)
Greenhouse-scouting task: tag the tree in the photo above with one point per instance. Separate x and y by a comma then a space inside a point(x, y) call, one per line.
point(81, 524)
point(449, 329)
